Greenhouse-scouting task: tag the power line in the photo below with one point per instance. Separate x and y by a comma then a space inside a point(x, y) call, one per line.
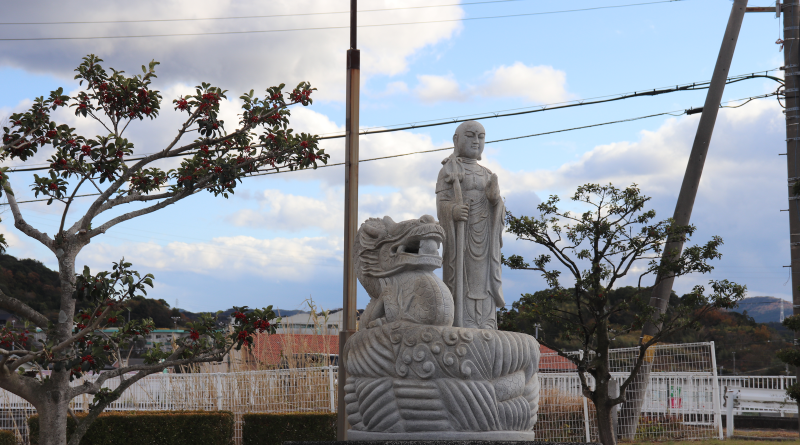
point(694, 86)
point(17, 39)
point(275, 171)
point(540, 108)
point(253, 16)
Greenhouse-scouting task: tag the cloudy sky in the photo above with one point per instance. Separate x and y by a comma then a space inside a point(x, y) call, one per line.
point(278, 240)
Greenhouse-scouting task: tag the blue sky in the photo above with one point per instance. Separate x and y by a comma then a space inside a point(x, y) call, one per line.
point(278, 240)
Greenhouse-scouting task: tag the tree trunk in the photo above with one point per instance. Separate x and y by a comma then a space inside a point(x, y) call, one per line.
point(605, 427)
point(53, 413)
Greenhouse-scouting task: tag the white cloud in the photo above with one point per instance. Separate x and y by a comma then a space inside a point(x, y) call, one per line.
point(277, 258)
point(433, 89)
point(229, 61)
point(740, 195)
point(543, 84)
point(280, 211)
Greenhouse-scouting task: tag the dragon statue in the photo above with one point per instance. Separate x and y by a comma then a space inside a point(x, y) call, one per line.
point(411, 375)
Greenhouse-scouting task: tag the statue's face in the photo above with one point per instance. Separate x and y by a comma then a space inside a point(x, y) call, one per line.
point(469, 140)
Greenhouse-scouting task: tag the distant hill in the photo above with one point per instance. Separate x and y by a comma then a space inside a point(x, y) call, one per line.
point(39, 287)
point(224, 315)
point(764, 309)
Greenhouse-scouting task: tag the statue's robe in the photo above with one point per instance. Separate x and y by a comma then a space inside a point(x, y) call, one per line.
point(483, 291)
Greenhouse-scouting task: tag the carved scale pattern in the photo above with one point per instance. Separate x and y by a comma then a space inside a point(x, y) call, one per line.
point(405, 377)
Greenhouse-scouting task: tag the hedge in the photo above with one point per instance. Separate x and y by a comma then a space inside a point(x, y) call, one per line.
point(269, 428)
point(7, 438)
point(152, 428)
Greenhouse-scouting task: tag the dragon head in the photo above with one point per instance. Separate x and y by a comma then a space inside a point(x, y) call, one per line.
point(383, 247)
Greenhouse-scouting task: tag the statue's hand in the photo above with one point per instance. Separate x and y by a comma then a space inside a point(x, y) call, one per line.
point(461, 212)
point(493, 189)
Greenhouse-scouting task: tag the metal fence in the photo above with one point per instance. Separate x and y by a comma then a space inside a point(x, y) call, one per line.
point(680, 402)
point(760, 394)
point(682, 399)
point(285, 390)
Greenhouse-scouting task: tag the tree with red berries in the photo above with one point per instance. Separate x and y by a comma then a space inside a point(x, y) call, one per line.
point(214, 159)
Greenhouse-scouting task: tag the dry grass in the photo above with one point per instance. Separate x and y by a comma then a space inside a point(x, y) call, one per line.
point(713, 442)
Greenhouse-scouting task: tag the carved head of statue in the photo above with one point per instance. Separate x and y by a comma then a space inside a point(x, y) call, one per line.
point(383, 248)
point(469, 139)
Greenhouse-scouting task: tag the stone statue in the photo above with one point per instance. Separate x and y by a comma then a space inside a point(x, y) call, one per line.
point(471, 212)
point(411, 375)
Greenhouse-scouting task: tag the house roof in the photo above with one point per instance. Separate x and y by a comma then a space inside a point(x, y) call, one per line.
point(268, 349)
point(550, 361)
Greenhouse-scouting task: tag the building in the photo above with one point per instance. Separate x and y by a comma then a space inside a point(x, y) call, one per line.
point(163, 336)
point(318, 324)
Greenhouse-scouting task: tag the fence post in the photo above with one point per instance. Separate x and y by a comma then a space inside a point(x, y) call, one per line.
point(586, 420)
point(613, 392)
point(715, 390)
point(729, 400)
point(332, 389)
point(218, 388)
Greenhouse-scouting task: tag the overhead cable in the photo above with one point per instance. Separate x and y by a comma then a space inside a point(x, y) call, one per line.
point(498, 114)
point(254, 16)
point(275, 171)
point(318, 28)
point(575, 103)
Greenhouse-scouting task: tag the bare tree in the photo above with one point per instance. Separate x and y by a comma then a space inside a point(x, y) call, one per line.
point(598, 248)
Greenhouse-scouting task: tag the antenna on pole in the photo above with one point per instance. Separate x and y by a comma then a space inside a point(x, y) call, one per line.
point(781, 320)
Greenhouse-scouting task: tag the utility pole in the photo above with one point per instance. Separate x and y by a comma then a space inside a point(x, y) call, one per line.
point(659, 299)
point(791, 62)
point(350, 214)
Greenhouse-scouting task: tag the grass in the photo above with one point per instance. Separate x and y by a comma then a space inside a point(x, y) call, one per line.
point(713, 442)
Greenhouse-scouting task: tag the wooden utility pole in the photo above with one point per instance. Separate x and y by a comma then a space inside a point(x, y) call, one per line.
point(683, 209)
point(350, 214)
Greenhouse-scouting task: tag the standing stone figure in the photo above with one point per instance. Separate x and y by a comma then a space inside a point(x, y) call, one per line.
point(483, 210)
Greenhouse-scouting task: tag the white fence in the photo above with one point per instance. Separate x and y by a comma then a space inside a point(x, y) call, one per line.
point(682, 400)
point(761, 394)
point(286, 390)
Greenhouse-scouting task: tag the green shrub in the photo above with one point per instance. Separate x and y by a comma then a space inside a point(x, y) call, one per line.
point(152, 428)
point(7, 438)
point(269, 428)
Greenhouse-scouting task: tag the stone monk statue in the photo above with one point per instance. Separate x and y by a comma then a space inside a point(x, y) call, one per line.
point(468, 199)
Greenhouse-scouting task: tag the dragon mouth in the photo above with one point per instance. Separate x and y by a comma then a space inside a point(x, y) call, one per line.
point(427, 245)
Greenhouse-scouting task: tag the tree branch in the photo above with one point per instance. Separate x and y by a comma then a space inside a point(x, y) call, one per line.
point(20, 223)
point(69, 201)
point(23, 310)
point(130, 215)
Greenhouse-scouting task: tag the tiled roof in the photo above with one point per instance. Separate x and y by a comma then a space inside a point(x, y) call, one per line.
point(268, 348)
point(550, 361)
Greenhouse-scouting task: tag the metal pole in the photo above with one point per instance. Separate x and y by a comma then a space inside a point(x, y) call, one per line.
point(683, 209)
point(791, 61)
point(715, 390)
point(729, 413)
point(350, 215)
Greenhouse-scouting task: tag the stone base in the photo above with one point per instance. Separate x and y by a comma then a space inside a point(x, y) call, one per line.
point(493, 436)
point(441, 442)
